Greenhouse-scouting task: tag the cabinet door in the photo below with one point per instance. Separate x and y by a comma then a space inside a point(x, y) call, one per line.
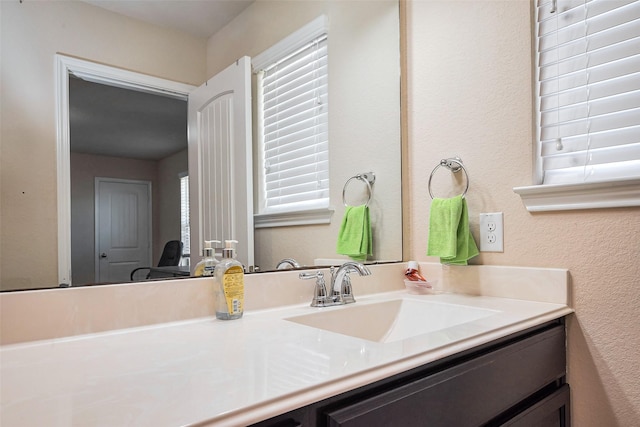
point(468, 394)
point(552, 411)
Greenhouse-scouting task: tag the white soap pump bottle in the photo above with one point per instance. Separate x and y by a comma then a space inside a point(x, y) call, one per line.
point(229, 284)
point(207, 266)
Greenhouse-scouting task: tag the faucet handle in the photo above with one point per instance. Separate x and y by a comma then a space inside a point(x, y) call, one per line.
point(317, 275)
point(320, 290)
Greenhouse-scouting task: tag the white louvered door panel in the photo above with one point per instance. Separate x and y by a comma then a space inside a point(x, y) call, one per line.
point(220, 162)
point(216, 154)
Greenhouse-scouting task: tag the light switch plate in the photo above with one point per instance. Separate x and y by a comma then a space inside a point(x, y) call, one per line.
point(491, 232)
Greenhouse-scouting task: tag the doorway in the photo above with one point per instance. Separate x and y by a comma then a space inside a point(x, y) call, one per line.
point(66, 67)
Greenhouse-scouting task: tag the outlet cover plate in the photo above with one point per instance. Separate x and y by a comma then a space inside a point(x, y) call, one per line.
point(491, 232)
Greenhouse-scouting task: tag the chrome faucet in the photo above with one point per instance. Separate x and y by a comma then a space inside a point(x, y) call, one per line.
point(340, 291)
point(341, 282)
point(286, 263)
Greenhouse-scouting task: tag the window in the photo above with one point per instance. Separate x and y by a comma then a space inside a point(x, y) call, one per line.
point(293, 124)
point(185, 228)
point(588, 99)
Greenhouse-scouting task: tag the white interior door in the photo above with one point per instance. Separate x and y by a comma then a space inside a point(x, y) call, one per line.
point(123, 228)
point(220, 161)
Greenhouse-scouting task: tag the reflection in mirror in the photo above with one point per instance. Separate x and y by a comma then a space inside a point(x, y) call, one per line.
point(364, 124)
point(364, 119)
point(126, 146)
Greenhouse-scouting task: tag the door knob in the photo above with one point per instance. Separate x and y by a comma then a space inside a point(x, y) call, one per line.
point(103, 255)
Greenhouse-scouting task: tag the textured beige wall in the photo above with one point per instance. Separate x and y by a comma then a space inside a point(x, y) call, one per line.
point(364, 114)
point(32, 32)
point(469, 84)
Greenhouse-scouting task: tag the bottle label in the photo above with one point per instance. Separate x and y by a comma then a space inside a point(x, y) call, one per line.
point(208, 270)
point(233, 285)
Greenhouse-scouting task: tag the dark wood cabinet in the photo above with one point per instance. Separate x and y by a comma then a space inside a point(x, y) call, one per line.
point(515, 381)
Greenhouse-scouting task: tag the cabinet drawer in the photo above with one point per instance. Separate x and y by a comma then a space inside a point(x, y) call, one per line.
point(467, 394)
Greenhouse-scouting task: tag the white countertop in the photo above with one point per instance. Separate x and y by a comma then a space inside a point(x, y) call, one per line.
point(226, 372)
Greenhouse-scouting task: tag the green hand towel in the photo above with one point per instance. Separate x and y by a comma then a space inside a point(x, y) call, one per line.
point(449, 234)
point(354, 238)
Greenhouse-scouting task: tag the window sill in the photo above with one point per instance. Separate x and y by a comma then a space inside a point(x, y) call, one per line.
point(560, 197)
point(287, 219)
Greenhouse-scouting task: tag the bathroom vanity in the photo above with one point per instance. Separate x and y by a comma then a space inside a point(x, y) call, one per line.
point(492, 352)
point(518, 380)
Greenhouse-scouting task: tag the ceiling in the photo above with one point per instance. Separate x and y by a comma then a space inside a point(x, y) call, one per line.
point(111, 121)
point(201, 18)
point(118, 122)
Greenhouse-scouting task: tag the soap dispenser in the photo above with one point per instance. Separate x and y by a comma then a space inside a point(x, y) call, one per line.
point(229, 283)
point(207, 266)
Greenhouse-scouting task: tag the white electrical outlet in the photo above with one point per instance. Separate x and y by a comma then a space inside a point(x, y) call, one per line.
point(491, 232)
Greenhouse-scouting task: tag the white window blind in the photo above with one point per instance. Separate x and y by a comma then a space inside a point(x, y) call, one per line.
point(588, 69)
point(185, 227)
point(293, 108)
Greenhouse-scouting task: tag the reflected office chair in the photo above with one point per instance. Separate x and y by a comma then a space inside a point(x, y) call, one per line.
point(171, 255)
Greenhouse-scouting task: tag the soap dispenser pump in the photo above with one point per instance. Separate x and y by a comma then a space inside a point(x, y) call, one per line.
point(229, 284)
point(207, 266)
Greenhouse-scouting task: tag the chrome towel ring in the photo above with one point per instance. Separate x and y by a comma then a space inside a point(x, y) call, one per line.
point(368, 178)
point(454, 164)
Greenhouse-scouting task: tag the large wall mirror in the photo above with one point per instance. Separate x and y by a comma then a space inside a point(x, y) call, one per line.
point(364, 136)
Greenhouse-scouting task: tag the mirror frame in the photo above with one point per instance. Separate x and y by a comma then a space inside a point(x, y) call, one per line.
point(97, 73)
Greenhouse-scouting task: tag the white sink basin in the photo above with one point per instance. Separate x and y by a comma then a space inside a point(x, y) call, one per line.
point(392, 320)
